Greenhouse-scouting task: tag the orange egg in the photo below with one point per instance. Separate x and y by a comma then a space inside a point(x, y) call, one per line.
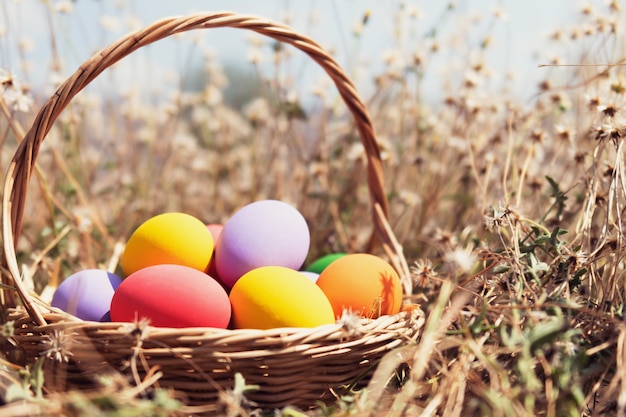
point(362, 283)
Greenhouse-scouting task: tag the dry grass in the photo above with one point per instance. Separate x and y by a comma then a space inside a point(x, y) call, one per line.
point(509, 211)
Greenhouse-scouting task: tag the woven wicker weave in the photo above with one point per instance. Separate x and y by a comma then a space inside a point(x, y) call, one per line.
point(291, 366)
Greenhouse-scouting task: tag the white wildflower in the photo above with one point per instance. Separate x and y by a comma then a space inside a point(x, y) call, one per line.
point(57, 346)
point(415, 12)
point(292, 96)
point(256, 40)
point(500, 13)
point(13, 93)
point(472, 79)
point(356, 152)
point(458, 143)
point(184, 141)
point(109, 23)
point(464, 259)
point(26, 44)
point(64, 7)
point(503, 215)
point(134, 23)
point(577, 259)
point(257, 110)
point(82, 218)
point(321, 87)
point(357, 28)
point(350, 323)
point(255, 56)
point(18, 100)
point(214, 124)
point(422, 271)
point(212, 95)
point(409, 198)
point(314, 17)
point(216, 74)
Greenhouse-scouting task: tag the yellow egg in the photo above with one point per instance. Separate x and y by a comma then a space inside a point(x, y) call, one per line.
point(274, 296)
point(168, 238)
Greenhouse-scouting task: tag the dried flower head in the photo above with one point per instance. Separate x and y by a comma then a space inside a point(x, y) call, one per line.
point(350, 323)
point(83, 219)
point(579, 157)
point(612, 132)
point(609, 110)
point(58, 346)
point(12, 92)
point(593, 102)
point(576, 259)
point(138, 329)
point(64, 7)
point(462, 258)
point(503, 215)
point(445, 238)
point(257, 111)
point(423, 271)
point(564, 133)
point(537, 135)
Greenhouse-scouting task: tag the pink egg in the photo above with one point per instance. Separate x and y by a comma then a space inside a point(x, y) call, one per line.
point(263, 233)
point(171, 296)
point(86, 294)
point(216, 231)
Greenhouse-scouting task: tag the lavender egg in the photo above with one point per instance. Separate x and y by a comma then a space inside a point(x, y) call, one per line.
point(263, 233)
point(86, 294)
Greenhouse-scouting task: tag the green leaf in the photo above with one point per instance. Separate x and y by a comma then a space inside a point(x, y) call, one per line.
point(37, 377)
point(16, 392)
point(559, 198)
point(545, 332)
point(502, 268)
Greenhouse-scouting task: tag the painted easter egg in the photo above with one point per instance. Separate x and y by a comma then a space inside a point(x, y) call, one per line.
point(168, 238)
point(362, 283)
point(313, 276)
point(171, 296)
point(322, 262)
point(274, 296)
point(216, 231)
point(86, 294)
point(263, 233)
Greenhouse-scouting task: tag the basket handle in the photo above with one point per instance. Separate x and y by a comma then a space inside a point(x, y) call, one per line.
point(23, 162)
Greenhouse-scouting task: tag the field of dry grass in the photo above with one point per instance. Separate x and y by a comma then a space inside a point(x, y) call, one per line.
point(509, 210)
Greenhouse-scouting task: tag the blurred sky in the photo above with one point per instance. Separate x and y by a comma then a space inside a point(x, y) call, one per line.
point(518, 40)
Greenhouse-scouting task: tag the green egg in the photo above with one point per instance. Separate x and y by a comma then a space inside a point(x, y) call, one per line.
point(320, 264)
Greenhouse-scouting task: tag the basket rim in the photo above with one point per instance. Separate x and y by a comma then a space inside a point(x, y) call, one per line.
point(58, 320)
point(23, 162)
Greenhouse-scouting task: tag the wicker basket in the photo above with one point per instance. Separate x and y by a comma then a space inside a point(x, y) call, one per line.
point(291, 366)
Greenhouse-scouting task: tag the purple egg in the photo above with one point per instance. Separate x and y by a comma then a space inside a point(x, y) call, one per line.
point(106, 318)
point(263, 233)
point(86, 294)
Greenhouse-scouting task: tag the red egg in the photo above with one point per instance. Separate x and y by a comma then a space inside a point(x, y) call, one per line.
point(171, 296)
